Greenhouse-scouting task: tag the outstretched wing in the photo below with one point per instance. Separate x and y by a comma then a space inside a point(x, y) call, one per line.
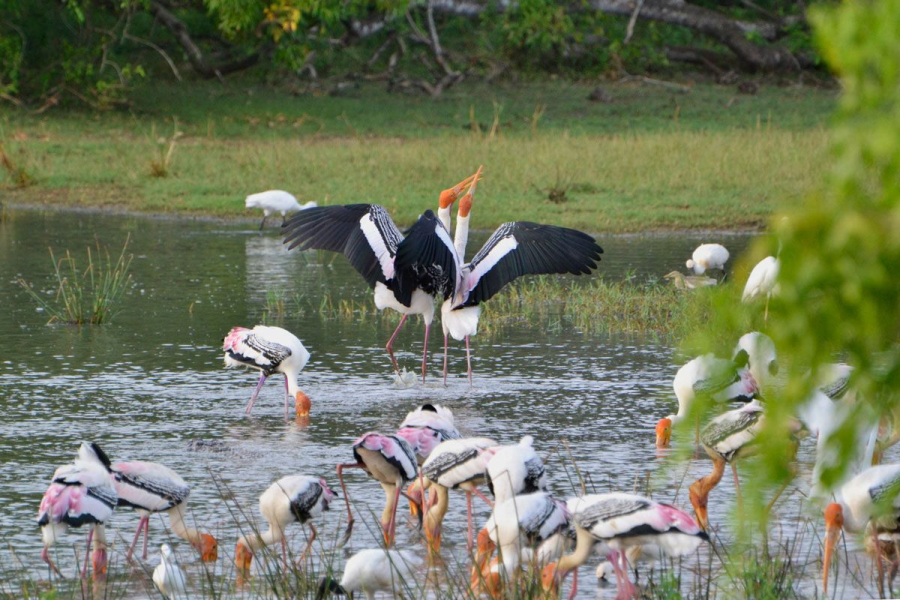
point(523, 248)
point(364, 233)
point(426, 259)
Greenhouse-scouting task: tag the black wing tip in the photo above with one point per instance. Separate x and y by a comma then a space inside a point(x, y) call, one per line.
point(101, 455)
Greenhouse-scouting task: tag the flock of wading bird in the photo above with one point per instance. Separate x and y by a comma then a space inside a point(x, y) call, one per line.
point(427, 456)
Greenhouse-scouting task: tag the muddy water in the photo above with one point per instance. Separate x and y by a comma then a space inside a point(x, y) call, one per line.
point(151, 382)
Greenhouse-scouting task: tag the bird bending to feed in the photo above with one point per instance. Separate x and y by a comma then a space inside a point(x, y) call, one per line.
point(515, 249)
point(269, 350)
point(726, 438)
point(455, 464)
point(293, 498)
point(150, 487)
point(275, 201)
point(81, 493)
point(529, 528)
point(706, 257)
point(763, 281)
point(406, 273)
point(689, 282)
point(717, 378)
point(757, 351)
point(426, 427)
point(376, 570)
point(514, 470)
point(871, 498)
point(168, 576)
point(619, 521)
point(646, 553)
point(391, 461)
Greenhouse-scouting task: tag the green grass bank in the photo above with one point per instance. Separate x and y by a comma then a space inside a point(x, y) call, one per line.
point(653, 157)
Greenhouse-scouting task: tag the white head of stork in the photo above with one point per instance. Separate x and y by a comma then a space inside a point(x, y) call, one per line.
point(757, 351)
point(873, 497)
point(375, 570)
point(514, 470)
point(514, 250)
point(295, 498)
point(269, 350)
point(275, 201)
point(619, 521)
point(708, 256)
point(168, 576)
point(406, 273)
point(79, 494)
point(149, 488)
point(391, 461)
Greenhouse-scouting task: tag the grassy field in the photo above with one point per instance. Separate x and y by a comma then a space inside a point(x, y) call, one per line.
point(653, 158)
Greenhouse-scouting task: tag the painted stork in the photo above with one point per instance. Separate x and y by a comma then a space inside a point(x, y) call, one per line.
point(455, 464)
point(872, 497)
point(619, 521)
point(763, 281)
point(168, 576)
point(514, 470)
point(726, 438)
point(426, 427)
point(79, 494)
point(757, 351)
point(529, 527)
point(708, 256)
point(295, 498)
point(375, 570)
point(406, 273)
point(149, 488)
point(389, 460)
point(720, 379)
point(646, 553)
point(269, 350)
point(514, 250)
point(275, 201)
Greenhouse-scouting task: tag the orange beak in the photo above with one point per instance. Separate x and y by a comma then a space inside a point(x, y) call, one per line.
point(699, 499)
point(243, 557)
point(433, 536)
point(834, 523)
point(663, 433)
point(414, 493)
point(449, 196)
point(208, 548)
point(99, 561)
point(302, 404)
point(550, 579)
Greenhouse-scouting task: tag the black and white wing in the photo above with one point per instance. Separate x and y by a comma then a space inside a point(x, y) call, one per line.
point(305, 500)
point(720, 374)
point(524, 248)
point(364, 233)
point(427, 260)
point(730, 432)
point(244, 346)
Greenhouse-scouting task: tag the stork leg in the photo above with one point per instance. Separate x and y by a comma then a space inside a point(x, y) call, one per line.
point(262, 380)
point(446, 340)
point(392, 524)
point(425, 353)
point(478, 493)
point(146, 535)
point(766, 315)
point(878, 564)
point(469, 542)
point(469, 361)
point(45, 554)
point(308, 544)
point(340, 474)
point(737, 487)
point(87, 553)
point(137, 535)
point(263, 224)
point(390, 344)
point(574, 589)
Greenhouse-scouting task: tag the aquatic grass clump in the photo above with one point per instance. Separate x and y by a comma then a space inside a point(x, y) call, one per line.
point(89, 296)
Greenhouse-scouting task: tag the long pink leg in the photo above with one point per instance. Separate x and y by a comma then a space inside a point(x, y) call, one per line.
point(308, 544)
point(469, 542)
point(445, 359)
point(146, 535)
point(737, 487)
point(87, 553)
point(478, 493)
point(390, 345)
point(469, 361)
point(340, 474)
point(574, 589)
point(392, 524)
point(137, 535)
point(262, 380)
point(425, 353)
point(45, 554)
point(628, 587)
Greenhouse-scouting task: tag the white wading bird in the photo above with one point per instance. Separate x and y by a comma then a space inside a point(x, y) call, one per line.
point(763, 281)
point(275, 201)
point(376, 570)
point(706, 257)
point(168, 576)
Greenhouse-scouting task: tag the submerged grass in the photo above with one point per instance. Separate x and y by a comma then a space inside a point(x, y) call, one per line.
point(92, 295)
point(628, 166)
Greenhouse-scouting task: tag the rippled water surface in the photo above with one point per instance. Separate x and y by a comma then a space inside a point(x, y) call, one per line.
point(152, 381)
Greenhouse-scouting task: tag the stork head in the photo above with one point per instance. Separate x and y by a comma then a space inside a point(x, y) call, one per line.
point(699, 494)
point(551, 577)
point(465, 205)
point(416, 497)
point(483, 549)
point(243, 556)
point(302, 404)
point(450, 195)
point(663, 432)
point(834, 523)
point(208, 548)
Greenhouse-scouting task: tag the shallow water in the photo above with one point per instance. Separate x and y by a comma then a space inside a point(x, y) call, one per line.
point(152, 381)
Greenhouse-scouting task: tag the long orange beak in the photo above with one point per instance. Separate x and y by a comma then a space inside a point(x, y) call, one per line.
point(243, 557)
point(834, 522)
point(699, 499)
point(208, 548)
point(449, 196)
point(302, 404)
point(550, 579)
point(663, 433)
